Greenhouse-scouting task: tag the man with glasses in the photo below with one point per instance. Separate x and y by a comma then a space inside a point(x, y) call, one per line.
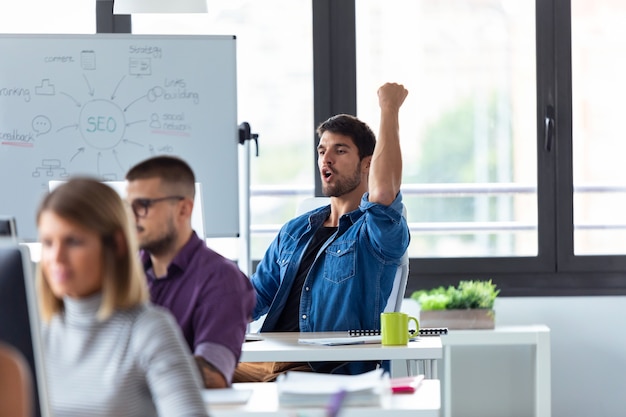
point(211, 299)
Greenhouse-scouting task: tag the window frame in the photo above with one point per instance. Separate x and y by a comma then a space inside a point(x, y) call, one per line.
point(107, 22)
point(555, 270)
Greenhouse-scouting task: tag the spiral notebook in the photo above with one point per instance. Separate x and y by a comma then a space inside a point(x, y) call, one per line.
point(358, 337)
point(428, 331)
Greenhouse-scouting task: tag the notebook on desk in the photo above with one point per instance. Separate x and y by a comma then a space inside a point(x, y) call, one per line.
point(359, 337)
point(334, 341)
point(426, 331)
point(348, 340)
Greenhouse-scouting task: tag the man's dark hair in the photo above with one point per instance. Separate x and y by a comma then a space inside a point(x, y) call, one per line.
point(345, 124)
point(170, 169)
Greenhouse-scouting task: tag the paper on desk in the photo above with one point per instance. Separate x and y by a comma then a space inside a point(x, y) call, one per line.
point(348, 340)
point(310, 388)
point(318, 383)
point(226, 396)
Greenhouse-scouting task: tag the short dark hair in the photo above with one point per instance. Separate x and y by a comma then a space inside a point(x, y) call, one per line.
point(171, 170)
point(345, 124)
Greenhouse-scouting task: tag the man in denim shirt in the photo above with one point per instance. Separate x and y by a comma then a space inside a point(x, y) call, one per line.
point(332, 269)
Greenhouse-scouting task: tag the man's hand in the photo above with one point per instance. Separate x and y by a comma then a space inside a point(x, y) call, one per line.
point(391, 96)
point(211, 377)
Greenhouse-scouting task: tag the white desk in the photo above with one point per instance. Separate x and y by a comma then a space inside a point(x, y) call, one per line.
point(425, 402)
point(535, 335)
point(284, 347)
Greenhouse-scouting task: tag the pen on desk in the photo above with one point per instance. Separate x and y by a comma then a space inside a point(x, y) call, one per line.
point(335, 403)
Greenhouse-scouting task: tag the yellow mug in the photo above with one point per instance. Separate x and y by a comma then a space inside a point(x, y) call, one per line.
point(394, 328)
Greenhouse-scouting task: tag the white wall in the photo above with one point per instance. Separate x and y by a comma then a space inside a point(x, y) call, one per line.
point(588, 344)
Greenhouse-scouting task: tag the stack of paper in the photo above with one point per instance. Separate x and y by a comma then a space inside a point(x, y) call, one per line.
point(315, 389)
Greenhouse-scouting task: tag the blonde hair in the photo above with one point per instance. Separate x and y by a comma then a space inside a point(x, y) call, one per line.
point(96, 206)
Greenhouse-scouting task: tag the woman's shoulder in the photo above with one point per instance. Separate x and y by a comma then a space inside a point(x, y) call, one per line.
point(143, 321)
point(148, 314)
point(151, 322)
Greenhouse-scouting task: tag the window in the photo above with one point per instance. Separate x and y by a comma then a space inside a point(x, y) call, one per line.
point(275, 95)
point(598, 67)
point(510, 141)
point(468, 124)
point(45, 16)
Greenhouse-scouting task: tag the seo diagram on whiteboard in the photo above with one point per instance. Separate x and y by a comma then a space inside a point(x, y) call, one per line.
point(97, 104)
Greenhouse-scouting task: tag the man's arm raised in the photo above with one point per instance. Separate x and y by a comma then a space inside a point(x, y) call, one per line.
point(385, 176)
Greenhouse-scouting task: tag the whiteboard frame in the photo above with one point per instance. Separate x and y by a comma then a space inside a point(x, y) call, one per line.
point(221, 217)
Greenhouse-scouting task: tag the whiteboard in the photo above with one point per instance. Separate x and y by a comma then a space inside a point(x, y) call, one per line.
point(97, 104)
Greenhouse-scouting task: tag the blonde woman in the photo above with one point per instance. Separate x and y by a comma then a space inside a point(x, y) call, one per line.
point(108, 352)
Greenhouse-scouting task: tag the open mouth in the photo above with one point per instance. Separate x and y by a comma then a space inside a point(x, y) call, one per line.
point(327, 173)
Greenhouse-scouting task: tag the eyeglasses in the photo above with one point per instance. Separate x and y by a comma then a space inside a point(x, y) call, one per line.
point(140, 206)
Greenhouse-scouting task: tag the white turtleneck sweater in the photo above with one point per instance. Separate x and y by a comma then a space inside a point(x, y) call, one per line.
point(134, 364)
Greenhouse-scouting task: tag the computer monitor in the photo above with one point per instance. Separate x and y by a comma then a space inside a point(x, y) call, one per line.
point(19, 318)
point(8, 227)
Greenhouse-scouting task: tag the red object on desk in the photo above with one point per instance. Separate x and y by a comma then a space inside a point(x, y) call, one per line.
point(406, 385)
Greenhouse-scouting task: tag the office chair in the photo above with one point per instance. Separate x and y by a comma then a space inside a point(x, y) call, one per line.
point(15, 383)
point(394, 302)
point(8, 227)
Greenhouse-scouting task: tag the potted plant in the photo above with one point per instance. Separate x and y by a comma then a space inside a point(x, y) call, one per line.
point(466, 306)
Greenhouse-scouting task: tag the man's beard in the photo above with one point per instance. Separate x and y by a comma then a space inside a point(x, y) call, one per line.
point(343, 186)
point(162, 244)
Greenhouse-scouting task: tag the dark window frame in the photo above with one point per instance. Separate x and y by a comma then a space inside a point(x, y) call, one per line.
point(107, 22)
point(555, 271)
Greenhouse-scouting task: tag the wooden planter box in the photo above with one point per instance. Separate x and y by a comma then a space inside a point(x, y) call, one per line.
point(458, 319)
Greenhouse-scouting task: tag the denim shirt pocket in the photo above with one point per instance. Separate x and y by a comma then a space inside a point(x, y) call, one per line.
point(283, 262)
point(340, 262)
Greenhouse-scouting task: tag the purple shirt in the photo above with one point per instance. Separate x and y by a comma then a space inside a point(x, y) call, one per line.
point(211, 299)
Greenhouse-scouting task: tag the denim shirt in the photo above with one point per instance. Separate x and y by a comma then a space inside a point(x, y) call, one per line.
point(352, 276)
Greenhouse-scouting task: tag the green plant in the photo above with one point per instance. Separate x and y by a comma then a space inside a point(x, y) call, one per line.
point(468, 294)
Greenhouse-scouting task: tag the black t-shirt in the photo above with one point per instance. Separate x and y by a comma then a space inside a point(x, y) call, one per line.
point(289, 320)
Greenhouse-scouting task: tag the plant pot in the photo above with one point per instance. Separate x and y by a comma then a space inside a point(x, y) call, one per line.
point(479, 318)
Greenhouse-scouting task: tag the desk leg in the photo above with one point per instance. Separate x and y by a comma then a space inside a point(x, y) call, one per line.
point(412, 367)
point(433, 369)
point(543, 406)
point(447, 381)
point(429, 369)
point(427, 366)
